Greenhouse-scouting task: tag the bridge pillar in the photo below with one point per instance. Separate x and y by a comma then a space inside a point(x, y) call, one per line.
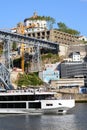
point(4, 76)
point(6, 53)
point(6, 61)
point(36, 59)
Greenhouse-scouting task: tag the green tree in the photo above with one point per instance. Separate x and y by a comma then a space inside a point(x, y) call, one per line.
point(50, 22)
point(62, 27)
point(28, 79)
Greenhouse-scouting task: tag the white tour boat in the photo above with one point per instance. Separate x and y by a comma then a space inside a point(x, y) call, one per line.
point(32, 101)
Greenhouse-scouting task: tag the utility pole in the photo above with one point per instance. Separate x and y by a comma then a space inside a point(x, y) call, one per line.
point(22, 60)
point(20, 30)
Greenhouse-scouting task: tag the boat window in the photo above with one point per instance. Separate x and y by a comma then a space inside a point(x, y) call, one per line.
point(39, 97)
point(12, 105)
point(59, 104)
point(24, 97)
point(60, 110)
point(34, 105)
point(49, 104)
point(17, 98)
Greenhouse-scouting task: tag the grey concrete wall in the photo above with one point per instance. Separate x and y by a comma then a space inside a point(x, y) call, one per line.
point(65, 50)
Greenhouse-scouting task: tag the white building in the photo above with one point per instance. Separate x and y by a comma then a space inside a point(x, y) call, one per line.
point(75, 57)
point(83, 38)
point(35, 23)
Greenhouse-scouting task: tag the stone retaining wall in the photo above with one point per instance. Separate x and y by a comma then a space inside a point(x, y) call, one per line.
point(78, 97)
point(65, 50)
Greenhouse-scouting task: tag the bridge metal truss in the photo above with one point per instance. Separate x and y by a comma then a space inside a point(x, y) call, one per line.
point(28, 40)
point(4, 77)
point(8, 38)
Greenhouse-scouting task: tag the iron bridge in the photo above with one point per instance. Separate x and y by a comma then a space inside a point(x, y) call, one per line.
point(8, 38)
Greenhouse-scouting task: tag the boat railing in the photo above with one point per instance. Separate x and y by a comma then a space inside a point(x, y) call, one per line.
point(19, 91)
point(25, 90)
point(52, 97)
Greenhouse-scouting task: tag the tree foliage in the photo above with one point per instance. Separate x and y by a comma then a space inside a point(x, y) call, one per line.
point(51, 58)
point(62, 27)
point(28, 79)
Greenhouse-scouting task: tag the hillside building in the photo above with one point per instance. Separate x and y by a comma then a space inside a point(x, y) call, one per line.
point(55, 36)
point(75, 56)
point(51, 72)
point(74, 69)
point(82, 38)
point(35, 23)
point(67, 83)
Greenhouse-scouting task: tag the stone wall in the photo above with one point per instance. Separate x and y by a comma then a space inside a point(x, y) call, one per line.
point(65, 50)
point(77, 96)
point(77, 48)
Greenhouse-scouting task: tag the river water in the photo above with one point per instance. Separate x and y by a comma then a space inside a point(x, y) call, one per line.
point(75, 119)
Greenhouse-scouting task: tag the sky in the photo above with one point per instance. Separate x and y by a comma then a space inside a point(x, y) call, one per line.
point(71, 12)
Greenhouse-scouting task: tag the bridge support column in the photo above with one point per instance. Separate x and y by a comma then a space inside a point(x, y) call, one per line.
point(6, 53)
point(36, 59)
point(7, 60)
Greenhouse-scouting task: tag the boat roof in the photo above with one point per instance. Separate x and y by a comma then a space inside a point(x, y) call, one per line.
point(22, 92)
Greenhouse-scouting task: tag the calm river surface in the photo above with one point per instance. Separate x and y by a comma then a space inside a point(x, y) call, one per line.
point(75, 119)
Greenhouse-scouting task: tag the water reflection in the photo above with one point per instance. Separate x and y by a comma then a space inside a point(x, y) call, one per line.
point(76, 119)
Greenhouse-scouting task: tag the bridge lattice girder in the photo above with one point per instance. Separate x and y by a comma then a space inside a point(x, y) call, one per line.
point(8, 37)
point(4, 77)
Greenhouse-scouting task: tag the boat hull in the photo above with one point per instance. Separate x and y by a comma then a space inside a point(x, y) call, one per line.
point(33, 111)
point(58, 106)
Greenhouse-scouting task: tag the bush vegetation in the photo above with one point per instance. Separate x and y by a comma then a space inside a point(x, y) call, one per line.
point(28, 79)
point(52, 58)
